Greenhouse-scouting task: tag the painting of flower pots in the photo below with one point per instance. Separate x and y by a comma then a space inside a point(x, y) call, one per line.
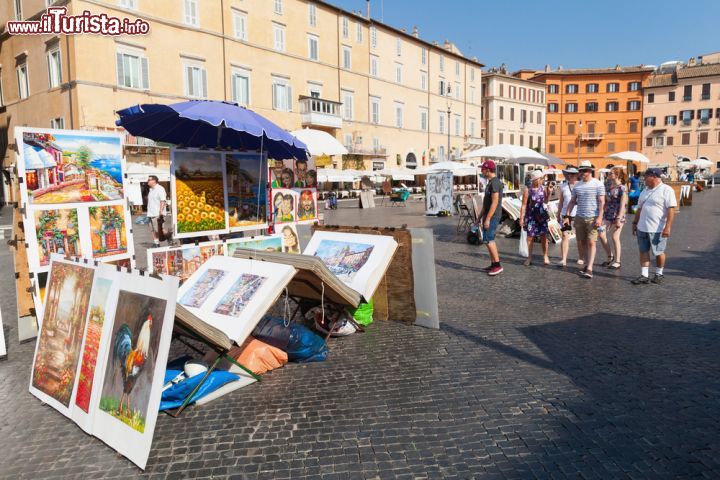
point(57, 231)
point(107, 230)
point(71, 167)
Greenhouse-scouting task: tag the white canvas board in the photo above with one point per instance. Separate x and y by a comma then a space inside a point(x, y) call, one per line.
point(95, 344)
point(358, 260)
point(425, 281)
point(438, 192)
point(3, 349)
point(232, 294)
point(56, 363)
point(263, 243)
point(137, 346)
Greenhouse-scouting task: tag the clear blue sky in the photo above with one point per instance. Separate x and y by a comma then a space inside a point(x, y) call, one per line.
point(574, 34)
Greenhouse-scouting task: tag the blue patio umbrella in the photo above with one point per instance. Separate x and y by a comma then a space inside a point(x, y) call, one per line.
point(210, 124)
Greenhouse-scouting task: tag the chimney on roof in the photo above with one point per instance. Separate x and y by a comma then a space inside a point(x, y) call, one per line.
point(547, 67)
point(415, 32)
point(367, 8)
point(691, 62)
point(447, 45)
point(617, 67)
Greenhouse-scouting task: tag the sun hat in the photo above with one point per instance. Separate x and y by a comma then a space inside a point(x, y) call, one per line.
point(585, 165)
point(489, 164)
point(536, 174)
point(655, 172)
point(570, 170)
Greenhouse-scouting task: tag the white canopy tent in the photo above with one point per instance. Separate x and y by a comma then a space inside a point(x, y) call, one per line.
point(701, 163)
point(319, 142)
point(509, 154)
point(458, 169)
point(332, 175)
point(630, 156)
point(397, 174)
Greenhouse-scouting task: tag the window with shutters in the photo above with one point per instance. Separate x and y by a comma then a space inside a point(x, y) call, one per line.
point(22, 79)
point(278, 6)
point(633, 86)
point(553, 88)
point(374, 110)
point(313, 47)
point(441, 87)
point(571, 129)
point(551, 148)
point(591, 148)
point(472, 94)
point(539, 118)
point(347, 57)
point(472, 74)
point(132, 69)
point(523, 117)
point(571, 88)
point(241, 86)
point(279, 37)
point(501, 88)
point(612, 106)
point(399, 114)
point(423, 56)
point(659, 141)
point(539, 141)
point(423, 119)
point(471, 127)
point(373, 37)
point(649, 121)
point(552, 107)
point(312, 14)
point(612, 87)
point(632, 146)
point(633, 105)
point(591, 107)
point(345, 22)
point(441, 122)
point(703, 138)
point(591, 127)
point(705, 114)
point(442, 63)
point(347, 105)
point(374, 65)
point(281, 94)
point(2, 101)
point(195, 81)
point(522, 141)
point(457, 68)
point(551, 129)
point(457, 125)
point(240, 25)
point(190, 12)
point(457, 90)
point(592, 88)
point(501, 113)
point(58, 123)
point(54, 67)
point(649, 141)
point(611, 146)
point(512, 114)
point(571, 107)
point(632, 127)
point(686, 116)
point(685, 139)
point(671, 96)
point(398, 73)
point(611, 127)
point(670, 119)
point(651, 98)
point(423, 80)
point(687, 93)
point(512, 139)
point(130, 4)
point(398, 46)
point(669, 140)
point(358, 32)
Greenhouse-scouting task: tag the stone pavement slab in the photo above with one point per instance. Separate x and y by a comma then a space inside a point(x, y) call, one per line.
point(536, 373)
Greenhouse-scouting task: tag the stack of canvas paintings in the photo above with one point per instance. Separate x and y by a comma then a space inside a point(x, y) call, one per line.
point(72, 190)
point(359, 260)
point(182, 261)
point(102, 349)
point(232, 294)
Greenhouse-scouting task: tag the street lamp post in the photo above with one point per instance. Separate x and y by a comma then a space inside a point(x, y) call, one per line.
point(448, 130)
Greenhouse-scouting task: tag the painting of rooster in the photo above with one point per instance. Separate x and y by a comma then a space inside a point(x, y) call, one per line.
point(130, 369)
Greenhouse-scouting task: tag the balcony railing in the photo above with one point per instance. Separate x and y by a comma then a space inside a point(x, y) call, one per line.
point(479, 141)
point(591, 137)
point(372, 151)
point(320, 112)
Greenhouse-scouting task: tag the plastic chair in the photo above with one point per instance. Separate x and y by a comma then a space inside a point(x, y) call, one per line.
point(399, 199)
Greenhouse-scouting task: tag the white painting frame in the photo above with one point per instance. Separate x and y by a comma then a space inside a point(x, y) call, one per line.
point(237, 328)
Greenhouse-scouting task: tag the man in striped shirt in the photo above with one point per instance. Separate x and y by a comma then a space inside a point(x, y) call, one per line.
point(589, 196)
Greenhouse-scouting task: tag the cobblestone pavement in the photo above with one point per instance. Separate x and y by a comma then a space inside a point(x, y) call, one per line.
point(536, 373)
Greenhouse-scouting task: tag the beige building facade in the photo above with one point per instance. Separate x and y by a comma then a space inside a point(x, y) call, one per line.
point(681, 116)
point(383, 92)
point(513, 111)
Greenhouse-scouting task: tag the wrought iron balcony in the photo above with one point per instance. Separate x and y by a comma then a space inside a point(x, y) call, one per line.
point(591, 137)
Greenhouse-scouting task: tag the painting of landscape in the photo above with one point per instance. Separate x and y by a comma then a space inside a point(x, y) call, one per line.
point(72, 167)
point(199, 192)
point(264, 244)
point(63, 324)
point(202, 288)
point(246, 179)
point(344, 259)
point(107, 230)
point(131, 364)
point(56, 231)
point(239, 295)
point(183, 262)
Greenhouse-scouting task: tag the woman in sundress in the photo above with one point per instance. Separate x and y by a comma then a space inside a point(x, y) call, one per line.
point(534, 215)
point(614, 217)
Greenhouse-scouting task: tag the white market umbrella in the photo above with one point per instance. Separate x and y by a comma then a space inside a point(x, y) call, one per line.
point(509, 153)
point(630, 156)
point(701, 163)
point(320, 143)
point(458, 169)
point(397, 174)
point(332, 175)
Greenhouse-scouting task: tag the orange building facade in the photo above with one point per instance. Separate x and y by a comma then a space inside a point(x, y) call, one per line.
point(593, 113)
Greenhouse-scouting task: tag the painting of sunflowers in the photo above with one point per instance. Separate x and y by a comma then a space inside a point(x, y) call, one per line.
point(199, 193)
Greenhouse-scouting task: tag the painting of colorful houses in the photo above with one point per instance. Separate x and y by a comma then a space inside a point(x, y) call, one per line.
point(107, 231)
point(73, 167)
point(183, 262)
point(344, 259)
point(57, 232)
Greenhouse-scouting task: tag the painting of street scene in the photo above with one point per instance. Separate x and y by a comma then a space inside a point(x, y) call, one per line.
point(72, 167)
point(99, 297)
point(202, 288)
point(182, 263)
point(239, 295)
point(263, 244)
point(63, 324)
point(131, 363)
point(107, 231)
point(57, 232)
point(246, 178)
point(344, 259)
point(199, 191)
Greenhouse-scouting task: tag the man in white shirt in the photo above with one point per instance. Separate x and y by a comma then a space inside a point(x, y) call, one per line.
point(653, 224)
point(157, 202)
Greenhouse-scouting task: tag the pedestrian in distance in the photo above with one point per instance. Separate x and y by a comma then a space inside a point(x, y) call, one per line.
point(156, 209)
point(534, 215)
point(653, 225)
point(566, 188)
point(615, 208)
point(589, 196)
point(490, 215)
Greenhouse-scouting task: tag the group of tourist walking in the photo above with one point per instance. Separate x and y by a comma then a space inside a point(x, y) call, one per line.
point(592, 210)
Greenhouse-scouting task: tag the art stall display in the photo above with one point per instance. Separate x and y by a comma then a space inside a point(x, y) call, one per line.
point(282, 173)
point(358, 260)
point(199, 194)
point(439, 192)
point(184, 260)
point(293, 185)
point(265, 243)
point(102, 350)
point(290, 238)
point(246, 182)
point(232, 294)
point(284, 206)
point(307, 205)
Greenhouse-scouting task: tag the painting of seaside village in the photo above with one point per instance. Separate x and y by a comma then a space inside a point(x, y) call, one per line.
point(72, 167)
point(344, 259)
